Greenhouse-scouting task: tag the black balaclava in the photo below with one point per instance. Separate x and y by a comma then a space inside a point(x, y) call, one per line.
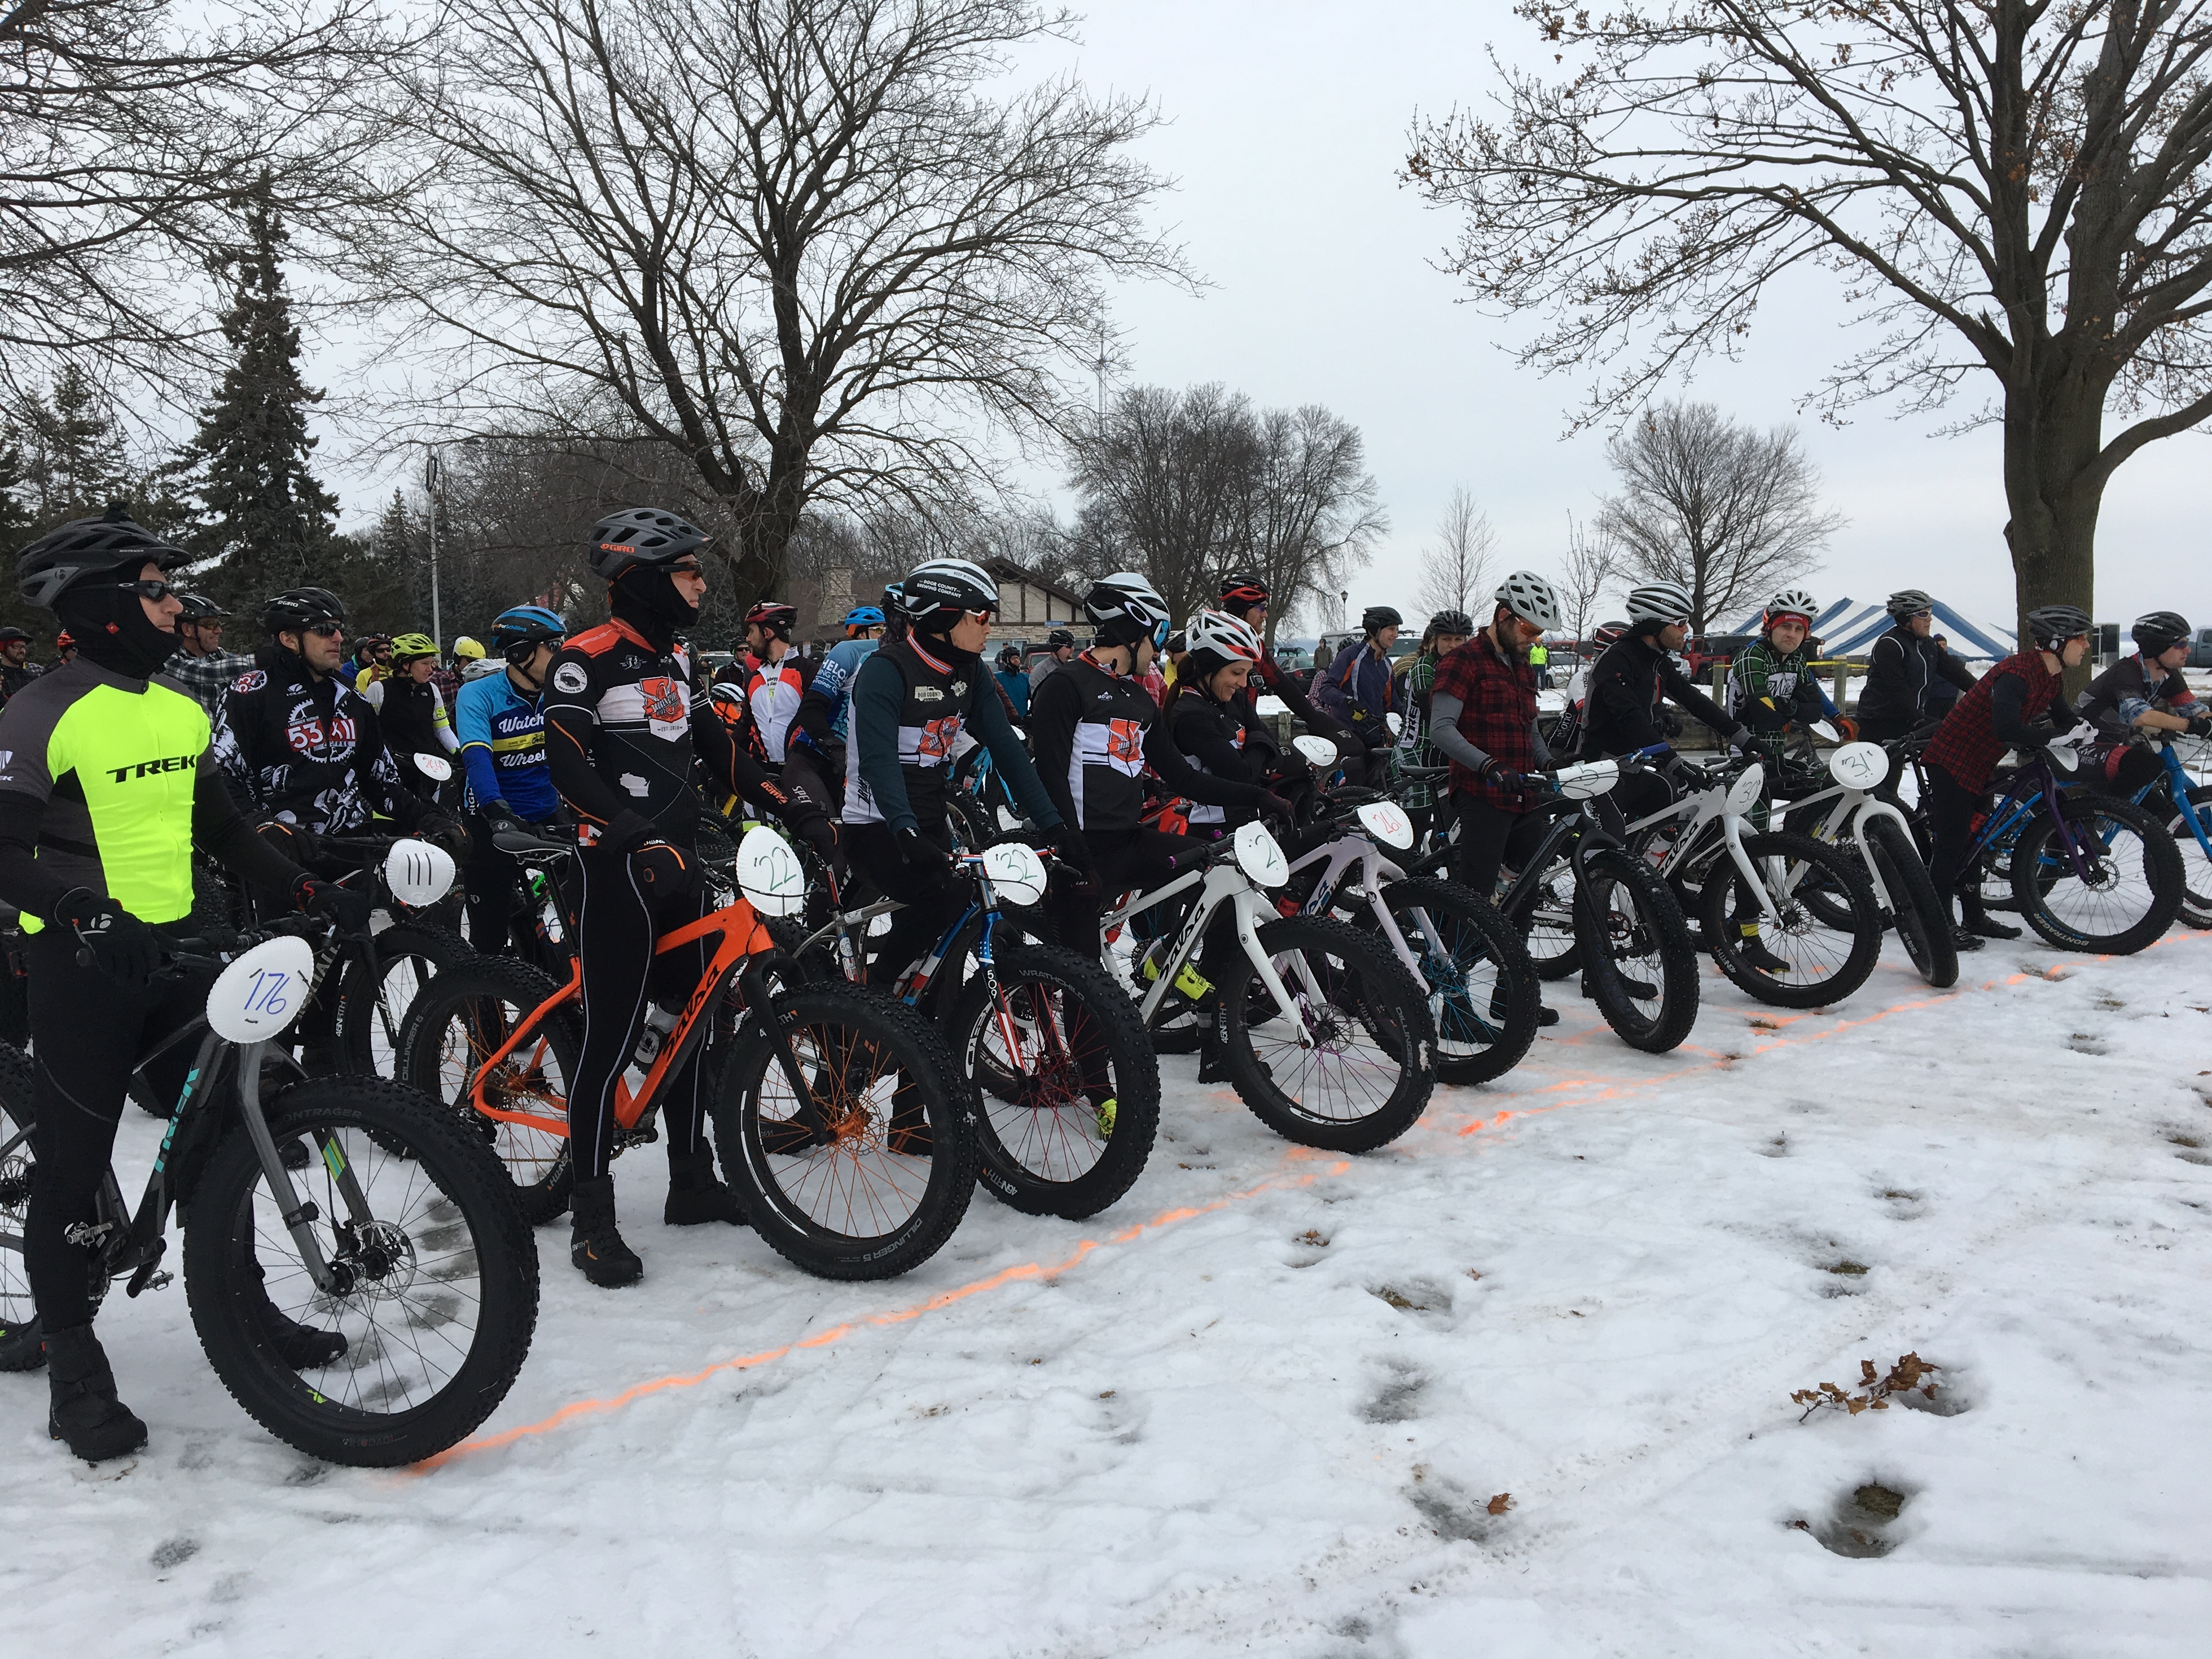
point(645, 596)
point(110, 625)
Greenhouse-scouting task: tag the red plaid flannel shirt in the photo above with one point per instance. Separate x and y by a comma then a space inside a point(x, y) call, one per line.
point(1966, 744)
point(1497, 714)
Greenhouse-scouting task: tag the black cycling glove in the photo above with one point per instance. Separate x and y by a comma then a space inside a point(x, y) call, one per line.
point(348, 909)
point(122, 947)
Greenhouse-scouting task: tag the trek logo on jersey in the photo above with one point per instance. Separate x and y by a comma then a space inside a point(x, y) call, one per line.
point(152, 767)
point(307, 736)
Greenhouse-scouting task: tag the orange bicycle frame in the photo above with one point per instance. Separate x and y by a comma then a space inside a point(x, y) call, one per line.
point(742, 936)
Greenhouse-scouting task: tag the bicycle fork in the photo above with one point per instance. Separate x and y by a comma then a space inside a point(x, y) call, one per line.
point(300, 1214)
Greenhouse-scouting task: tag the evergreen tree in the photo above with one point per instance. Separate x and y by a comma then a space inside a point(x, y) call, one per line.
point(266, 523)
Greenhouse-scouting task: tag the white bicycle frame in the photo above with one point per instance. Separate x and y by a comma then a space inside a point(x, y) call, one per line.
point(1724, 805)
point(1220, 883)
point(1858, 808)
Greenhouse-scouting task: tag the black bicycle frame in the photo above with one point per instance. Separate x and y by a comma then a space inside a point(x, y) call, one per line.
point(1575, 821)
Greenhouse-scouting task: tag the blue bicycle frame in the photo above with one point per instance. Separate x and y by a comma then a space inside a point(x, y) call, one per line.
point(2033, 786)
point(2178, 784)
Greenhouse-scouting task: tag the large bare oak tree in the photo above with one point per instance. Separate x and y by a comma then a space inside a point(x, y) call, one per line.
point(2014, 193)
point(802, 242)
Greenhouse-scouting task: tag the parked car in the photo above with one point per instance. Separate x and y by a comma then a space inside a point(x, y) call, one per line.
point(1707, 649)
point(2200, 649)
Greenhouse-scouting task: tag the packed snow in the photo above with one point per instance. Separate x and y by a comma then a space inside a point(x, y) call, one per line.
point(1518, 1385)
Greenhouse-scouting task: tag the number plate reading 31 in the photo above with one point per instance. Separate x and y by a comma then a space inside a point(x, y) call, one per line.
point(263, 992)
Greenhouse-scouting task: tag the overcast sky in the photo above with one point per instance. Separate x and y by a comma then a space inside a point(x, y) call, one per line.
point(1286, 125)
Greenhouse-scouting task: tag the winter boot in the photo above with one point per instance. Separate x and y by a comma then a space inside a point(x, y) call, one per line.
point(303, 1348)
point(22, 1347)
point(86, 1414)
point(1546, 1015)
point(694, 1195)
point(594, 1246)
point(1978, 920)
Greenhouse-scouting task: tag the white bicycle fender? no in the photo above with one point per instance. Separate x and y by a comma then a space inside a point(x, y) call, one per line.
point(261, 993)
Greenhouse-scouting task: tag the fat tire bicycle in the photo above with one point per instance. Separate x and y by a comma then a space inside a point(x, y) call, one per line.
point(350, 1204)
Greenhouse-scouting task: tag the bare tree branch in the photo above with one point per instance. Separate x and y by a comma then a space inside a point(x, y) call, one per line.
point(1455, 570)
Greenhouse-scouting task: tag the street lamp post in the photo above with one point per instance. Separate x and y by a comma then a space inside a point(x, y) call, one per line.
point(432, 478)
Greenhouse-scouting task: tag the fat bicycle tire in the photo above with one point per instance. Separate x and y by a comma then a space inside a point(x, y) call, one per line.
point(454, 1258)
point(821, 1178)
point(1374, 1028)
point(1921, 918)
point(1832, 872)
point(21, 1345)
point(1473, 1043)
point(458, 1019)
point(2040, 875)
point(2195, 865)
point(1047, 1148)
point(1654, 931)
point(408, 955)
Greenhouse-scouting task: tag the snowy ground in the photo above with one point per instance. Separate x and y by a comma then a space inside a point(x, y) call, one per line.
point(1266, 1405)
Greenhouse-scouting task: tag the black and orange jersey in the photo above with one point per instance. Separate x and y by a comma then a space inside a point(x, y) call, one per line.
point(1096, 733)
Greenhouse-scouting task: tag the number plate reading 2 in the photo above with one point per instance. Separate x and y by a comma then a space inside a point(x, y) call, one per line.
point(261, 993)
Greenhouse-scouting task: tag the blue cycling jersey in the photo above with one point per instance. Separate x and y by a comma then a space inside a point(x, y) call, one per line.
point(502, 736)
point(834, 679)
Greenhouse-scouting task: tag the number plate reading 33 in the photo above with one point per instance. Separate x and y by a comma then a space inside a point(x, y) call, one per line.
point(263, 992)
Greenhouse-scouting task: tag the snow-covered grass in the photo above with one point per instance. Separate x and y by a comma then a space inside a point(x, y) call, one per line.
point(1266, 1405)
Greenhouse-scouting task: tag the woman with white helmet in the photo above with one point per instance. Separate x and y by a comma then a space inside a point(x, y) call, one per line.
point(1207, 714)
point(1621, 713)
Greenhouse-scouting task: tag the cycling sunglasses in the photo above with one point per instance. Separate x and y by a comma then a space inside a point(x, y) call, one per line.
point(1160, 632)
point(324, 630)
point(693, 569)
point(156, 591)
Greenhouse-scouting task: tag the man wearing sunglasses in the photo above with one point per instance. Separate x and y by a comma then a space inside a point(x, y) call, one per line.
point(1907, 671)
point(201, 665)
point(303, 751)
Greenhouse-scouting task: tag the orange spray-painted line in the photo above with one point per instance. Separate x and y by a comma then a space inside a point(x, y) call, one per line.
point(1028, 1271)
point(1019, 1274)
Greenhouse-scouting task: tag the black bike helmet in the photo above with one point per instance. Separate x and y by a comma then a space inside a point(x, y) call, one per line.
point(2049, 626)
point(774, 617)
point(300, 607)
point(1379, 616)
point(198, 608)
point(642, 535)
point(1452, 622)
point(2160, 630)
point(1241, 592)
point(10, 635)
point(1058, 638)
point(85, 548)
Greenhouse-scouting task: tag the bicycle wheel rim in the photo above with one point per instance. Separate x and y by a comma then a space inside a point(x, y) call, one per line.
point(1045, 1098)
point(531, 1079)
point(2195, 864)
point(1552, 921)
point(1817, 951)
point(2121, 894)
point(17, 1164)
point(851, 1158)
point(1463, 978)
point(1633, 946)
point(412, 1316)
point(1341, 1057)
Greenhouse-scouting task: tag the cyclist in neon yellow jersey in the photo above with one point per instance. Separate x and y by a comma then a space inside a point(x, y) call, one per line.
point(105, 784)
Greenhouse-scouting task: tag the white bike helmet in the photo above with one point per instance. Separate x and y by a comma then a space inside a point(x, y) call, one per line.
point(1127, 608)
point(1530, 597)
point(937, 591)
point(1658, 602)
point(1792, 602)
point(1226, 636)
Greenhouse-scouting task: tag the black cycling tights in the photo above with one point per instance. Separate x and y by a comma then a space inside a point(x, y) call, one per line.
point(615, 929)
point(86, 1032)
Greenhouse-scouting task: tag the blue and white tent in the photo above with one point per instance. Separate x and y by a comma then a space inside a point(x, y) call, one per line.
point(1848, 629)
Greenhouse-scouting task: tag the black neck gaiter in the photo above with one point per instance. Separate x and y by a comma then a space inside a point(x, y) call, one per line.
point(110, 625)
point(645, 598)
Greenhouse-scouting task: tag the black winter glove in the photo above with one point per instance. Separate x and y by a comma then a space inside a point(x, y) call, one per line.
point(626, 832)
point(499, 819)
point(1070, 844)
point(664, 871)
point(1275, 808)
point(120, 945)
point(918, 851)
point(294, 841)
point(350, 909)
point(440, 830)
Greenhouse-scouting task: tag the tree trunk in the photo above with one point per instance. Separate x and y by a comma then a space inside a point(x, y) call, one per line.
point(2054, 487)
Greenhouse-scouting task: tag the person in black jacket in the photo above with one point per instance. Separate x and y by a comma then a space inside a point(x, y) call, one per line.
point(1245, 598)
point(1207, 716)
point(1628, 683)
point(1907, 672)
